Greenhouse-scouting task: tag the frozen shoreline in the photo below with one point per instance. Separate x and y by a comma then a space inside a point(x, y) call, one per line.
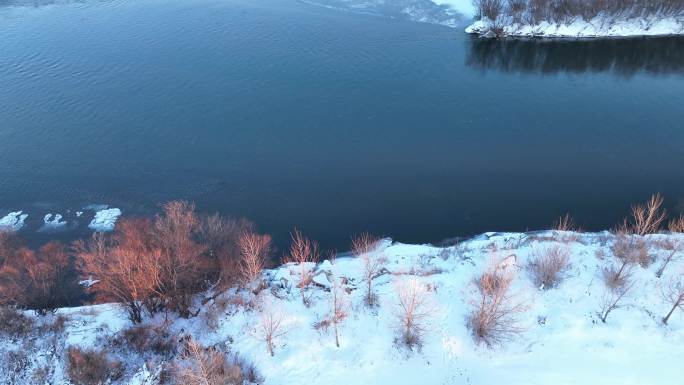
point(599, 27)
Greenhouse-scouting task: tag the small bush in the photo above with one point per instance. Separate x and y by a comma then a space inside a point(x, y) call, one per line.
point(676, 225)
point(413, 314)
point(91, 367)
point(616, 278)
point(493, 317)
point(493, 281)
point(630, 249)
point(14, 323)
point(209, 366)
point(548, 266)
point(147, 339)
point(249, 372)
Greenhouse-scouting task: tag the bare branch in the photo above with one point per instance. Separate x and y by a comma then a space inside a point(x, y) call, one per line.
point(674, 295)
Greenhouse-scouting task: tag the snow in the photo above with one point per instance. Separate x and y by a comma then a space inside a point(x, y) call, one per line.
point(88, 282)
point(563, 341)
point(13, 221)
point(105, 219)
point(601, 26)
point(464, 7)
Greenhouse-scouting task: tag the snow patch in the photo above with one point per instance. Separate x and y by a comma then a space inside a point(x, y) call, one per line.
point(88, 282)
point(105, 219)
point(464, 7)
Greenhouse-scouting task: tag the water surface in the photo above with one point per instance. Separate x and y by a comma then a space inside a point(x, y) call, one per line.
point(294, 114)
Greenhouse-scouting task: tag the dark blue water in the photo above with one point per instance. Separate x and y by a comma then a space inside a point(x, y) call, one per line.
point(293, 114)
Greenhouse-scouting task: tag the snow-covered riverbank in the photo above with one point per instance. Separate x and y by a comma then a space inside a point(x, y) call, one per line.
point(561, 338)
point(579, 28)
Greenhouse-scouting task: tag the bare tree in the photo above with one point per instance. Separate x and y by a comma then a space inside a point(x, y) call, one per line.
point(46, 278)
point(221, 235)
point(674, 294)
point(364, 246)
point(493, 318)
point(271, 326)
point(184, 268)
point(629, 251)
point(338, 308)
point(206, 366)
point(254, 252)
point(673, 248)
point(646, 218)
point(303, 251)
point(548, 266)
point(613, 298)
point(490, 9)
point(414, 312)
point(12, 286)
point(12, 281)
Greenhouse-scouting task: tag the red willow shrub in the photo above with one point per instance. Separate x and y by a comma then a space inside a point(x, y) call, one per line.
point(160, 264)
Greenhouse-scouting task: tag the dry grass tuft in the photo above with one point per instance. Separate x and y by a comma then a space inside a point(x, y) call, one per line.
point(548, 266)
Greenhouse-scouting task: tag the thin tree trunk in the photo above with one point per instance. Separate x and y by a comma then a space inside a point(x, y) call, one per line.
point(269, 342)
point(667, 317)
point(337, 338)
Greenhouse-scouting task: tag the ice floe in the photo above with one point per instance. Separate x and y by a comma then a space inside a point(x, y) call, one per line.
point(105, 219)
point(13, 221)
point(52, 222)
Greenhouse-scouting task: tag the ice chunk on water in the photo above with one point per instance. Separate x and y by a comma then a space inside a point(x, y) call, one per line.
point(105, 219)
point(13, 221)
point(52, 222)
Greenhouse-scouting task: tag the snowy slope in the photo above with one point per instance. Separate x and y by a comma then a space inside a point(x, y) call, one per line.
point(563, 340)
point(464, 7)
